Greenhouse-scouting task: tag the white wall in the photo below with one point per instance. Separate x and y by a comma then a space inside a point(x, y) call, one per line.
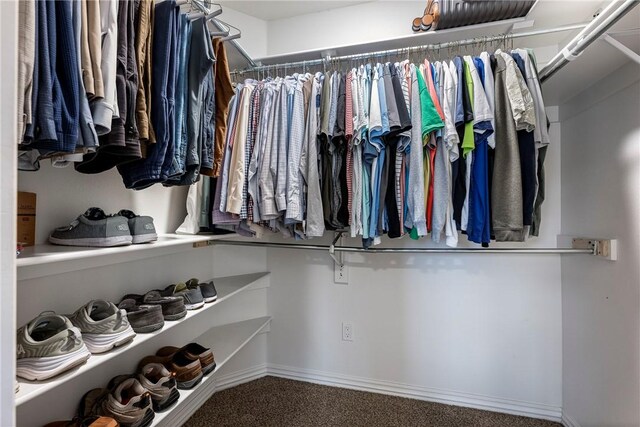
point(254, 31)
point(601, 299)
point(362, 23)
point(477, 330)
point(8, 182)
point(63, 194)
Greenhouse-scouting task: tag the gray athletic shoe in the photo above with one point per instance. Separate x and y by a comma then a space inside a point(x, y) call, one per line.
point(207, 289)
point(142, 228)
point(128, 402)
point(161, 385)
point(193, 298)
point(158, 381)
point(94, 228)
point(143, 318)
point(103, 326)
point(48, 346)
point(172, 307)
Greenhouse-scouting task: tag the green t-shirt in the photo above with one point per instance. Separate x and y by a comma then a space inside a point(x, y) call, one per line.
point(468, 143)
point(430, 118)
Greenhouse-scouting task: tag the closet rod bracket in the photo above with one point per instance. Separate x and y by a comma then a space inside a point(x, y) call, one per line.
point(602, 248)
point(332, 250)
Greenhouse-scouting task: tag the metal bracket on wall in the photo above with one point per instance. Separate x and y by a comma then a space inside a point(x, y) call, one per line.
point(603, 248)
point(621, 47)
point(332, 250)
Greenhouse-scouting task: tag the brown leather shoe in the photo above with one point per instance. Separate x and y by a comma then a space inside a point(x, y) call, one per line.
point(187, 372)
point(91, 421)
point(193, 351)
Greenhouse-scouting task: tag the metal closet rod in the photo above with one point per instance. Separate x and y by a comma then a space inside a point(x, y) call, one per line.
point(590, 33)
point(409, 50)
point(407, 250)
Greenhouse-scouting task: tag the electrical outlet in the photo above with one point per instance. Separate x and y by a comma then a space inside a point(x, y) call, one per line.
point(340, 274)
point(347, 332)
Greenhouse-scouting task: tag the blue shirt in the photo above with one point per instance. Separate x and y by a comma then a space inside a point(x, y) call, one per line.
point(457, 61)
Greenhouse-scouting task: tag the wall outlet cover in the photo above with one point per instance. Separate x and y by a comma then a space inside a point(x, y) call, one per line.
point(347, 331)
point(340, 274)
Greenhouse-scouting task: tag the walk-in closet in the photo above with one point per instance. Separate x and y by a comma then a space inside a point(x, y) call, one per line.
point(320, 213)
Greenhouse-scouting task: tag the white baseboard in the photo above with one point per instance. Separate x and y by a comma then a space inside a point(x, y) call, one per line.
point(568, 420)
point(233, 379)
point(488, 403)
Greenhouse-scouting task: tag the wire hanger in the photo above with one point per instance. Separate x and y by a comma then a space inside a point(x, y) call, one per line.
point(214, 13)
point(229, 26)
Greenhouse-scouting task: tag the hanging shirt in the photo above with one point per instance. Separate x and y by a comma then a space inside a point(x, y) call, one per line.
point(257, 155)
point(416, 219)
point(296, 139)
point(266, 183)
point(348, 121)
point(464, 114)
point(430, 117)
point(489, 90)
point(542, 126)
point(507, 178)
point(523, 111)
point(526, 143)
point(219, 211)
point(478, 227)
point(246, 211)
point(371, 152)
point(468, 143)
point(360, 120)
point(238, 143)
point(311, 174)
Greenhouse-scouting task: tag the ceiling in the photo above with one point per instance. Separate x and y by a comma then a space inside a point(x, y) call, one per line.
point(271, 10)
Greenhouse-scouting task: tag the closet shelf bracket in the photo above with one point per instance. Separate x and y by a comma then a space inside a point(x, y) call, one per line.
point(332, 250)
point(621, 47)
point(602, 248)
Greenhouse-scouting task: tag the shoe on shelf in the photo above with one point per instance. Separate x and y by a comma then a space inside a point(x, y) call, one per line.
point(161, 385)
point(144, 318)
point(193, 351)
point(95, 229)
point(47, 346)
point(128, 402)
point(172, 307)
point(103, 326)
point(193, 298)
point(207, 289)
point(90, 421)
point(142, 228)
point(187, 372)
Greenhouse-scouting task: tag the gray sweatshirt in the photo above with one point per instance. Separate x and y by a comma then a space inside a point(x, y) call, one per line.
point(416, 216)
point(506, 189)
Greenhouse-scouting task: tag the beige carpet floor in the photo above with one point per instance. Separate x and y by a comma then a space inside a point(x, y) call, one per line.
point(278, 402)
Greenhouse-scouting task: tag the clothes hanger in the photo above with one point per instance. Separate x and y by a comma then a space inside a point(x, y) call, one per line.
point(193, 14)
point(229, 26)
point(214, 13)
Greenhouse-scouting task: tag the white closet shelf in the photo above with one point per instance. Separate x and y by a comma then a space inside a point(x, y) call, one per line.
point(226, 341)
point(226, 288)
point(45, 260)
point(400, 42)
